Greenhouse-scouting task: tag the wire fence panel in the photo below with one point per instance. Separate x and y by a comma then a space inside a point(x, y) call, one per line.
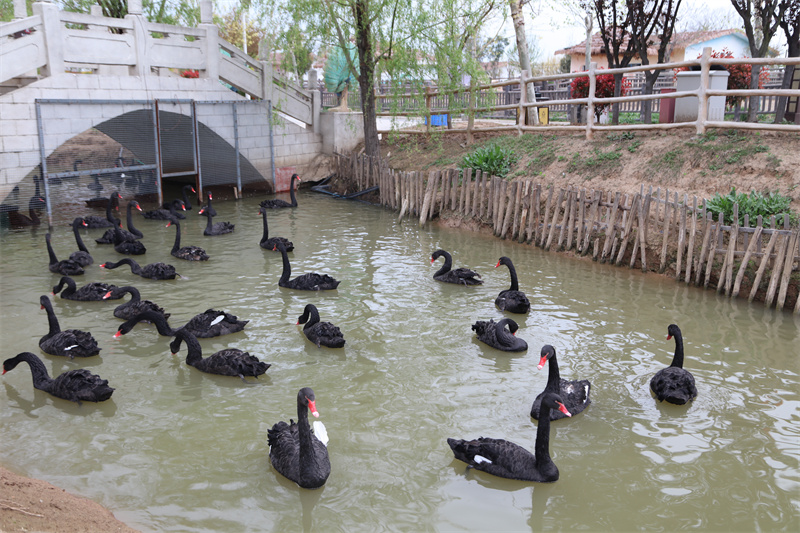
point(114, 150)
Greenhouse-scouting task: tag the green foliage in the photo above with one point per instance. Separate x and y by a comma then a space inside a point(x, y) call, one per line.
point(492, 159)
point(753, 204)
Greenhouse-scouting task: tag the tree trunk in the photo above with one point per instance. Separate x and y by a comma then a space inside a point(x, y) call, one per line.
point(650, 78)
point(366, 64)
point(522, 46)
point(780, 110)
point(617, 92)
point(752, 105)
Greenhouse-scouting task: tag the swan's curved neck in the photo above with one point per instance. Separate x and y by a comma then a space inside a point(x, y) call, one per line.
point(129, 220)
point(41, 379)
point(677, 361)
point(70, 283)
point(75, 229)
point(313, 317)
point(514, 281)
point(135, 268)
point(287, 268)
point(186, 197)
point(51, 320)
point(542, 446)
point(109, 206)
point(448, 264)
point(553, 376)
point(308, 459)
point(291, 193)
point(210, 221)
point(50, 252)
point(265, 235)
point(177, 244)
point(195, 354)
point(134, 292)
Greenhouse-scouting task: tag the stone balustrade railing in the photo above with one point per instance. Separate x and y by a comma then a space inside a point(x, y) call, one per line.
point(53, 41)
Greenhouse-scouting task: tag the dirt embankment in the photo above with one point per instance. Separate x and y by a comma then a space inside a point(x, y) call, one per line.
point(678, 160)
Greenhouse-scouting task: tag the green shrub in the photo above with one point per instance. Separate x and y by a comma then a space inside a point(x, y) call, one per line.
point(752, 204)
point(490, 159)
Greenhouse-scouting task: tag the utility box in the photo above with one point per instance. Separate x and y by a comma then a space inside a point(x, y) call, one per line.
point(666, 108)
point(686, 108)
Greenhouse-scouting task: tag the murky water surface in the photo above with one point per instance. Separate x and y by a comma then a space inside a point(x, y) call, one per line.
point(179, 450)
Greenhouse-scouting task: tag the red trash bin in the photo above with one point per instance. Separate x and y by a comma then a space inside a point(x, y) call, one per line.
point(666, 106)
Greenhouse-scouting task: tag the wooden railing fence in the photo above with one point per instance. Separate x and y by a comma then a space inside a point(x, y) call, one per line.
point(653, 230)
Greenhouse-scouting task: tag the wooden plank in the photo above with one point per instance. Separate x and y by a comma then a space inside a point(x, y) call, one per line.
point(563, 230)
point(763, 266)
point(581, 217)
point(526, 209)
point(466, 176)
point(712, 250)
point(573, 216)
point(468, 201)
point(734, 238)
point(553, 223)
point(426, 199)
point(510, 197)
point(745, 260)
point(703, 248)
point(480, 195)
point(665, 235)
point(610, 228)
point(644, 213)
point(476, 193)
point(592, 221)
point(536, 208)
point(543, 234)
point(690, 252)
point(787, 269)
point(626, 231)
point(681, 239)
point(777, 268)
point(517, 208)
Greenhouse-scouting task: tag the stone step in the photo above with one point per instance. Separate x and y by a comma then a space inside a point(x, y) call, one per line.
point(16, 83)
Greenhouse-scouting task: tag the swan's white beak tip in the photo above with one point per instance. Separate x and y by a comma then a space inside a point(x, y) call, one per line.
point(539, 367)
point(316, 414)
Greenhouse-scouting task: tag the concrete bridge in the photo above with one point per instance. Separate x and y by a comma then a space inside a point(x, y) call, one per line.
point(63, 73)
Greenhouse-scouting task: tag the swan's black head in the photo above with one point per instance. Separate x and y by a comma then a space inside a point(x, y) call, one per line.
point(11, 364)
point(547, 353)
point(44, 301)
point(437, 254)
point(552, 400)
point(306, 397)
point(673, 331)
point(279, 246)
point(309, 308)
point(503, 261)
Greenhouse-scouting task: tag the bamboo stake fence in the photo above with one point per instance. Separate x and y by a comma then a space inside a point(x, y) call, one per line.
point(652, 230)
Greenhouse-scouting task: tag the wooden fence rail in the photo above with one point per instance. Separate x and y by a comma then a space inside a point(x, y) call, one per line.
point(652, 230)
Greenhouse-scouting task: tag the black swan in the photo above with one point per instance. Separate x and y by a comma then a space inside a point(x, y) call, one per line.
point(134, 306)
point(184, 198)
point(227, 362)
point(271, 243)
point(132, 234)
point(18, 220)
point(277, 202)
point(65, 267)
point(495, 335)
point(502, 458)
point(107, 221)
point(306, 282)
point(512, 299)
point(167, 213)
point(157, 271)
point(124, 246)
point(187, 253)
point(210, 323)
point(82, 256)
point(220, 228)
point(91, 292)
point(575, 393)
point(78, 385)
point(461, 276)
point(674, 384)
point(295, 451)
point(320, 333)
point(209, 210)
point(70, 342)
